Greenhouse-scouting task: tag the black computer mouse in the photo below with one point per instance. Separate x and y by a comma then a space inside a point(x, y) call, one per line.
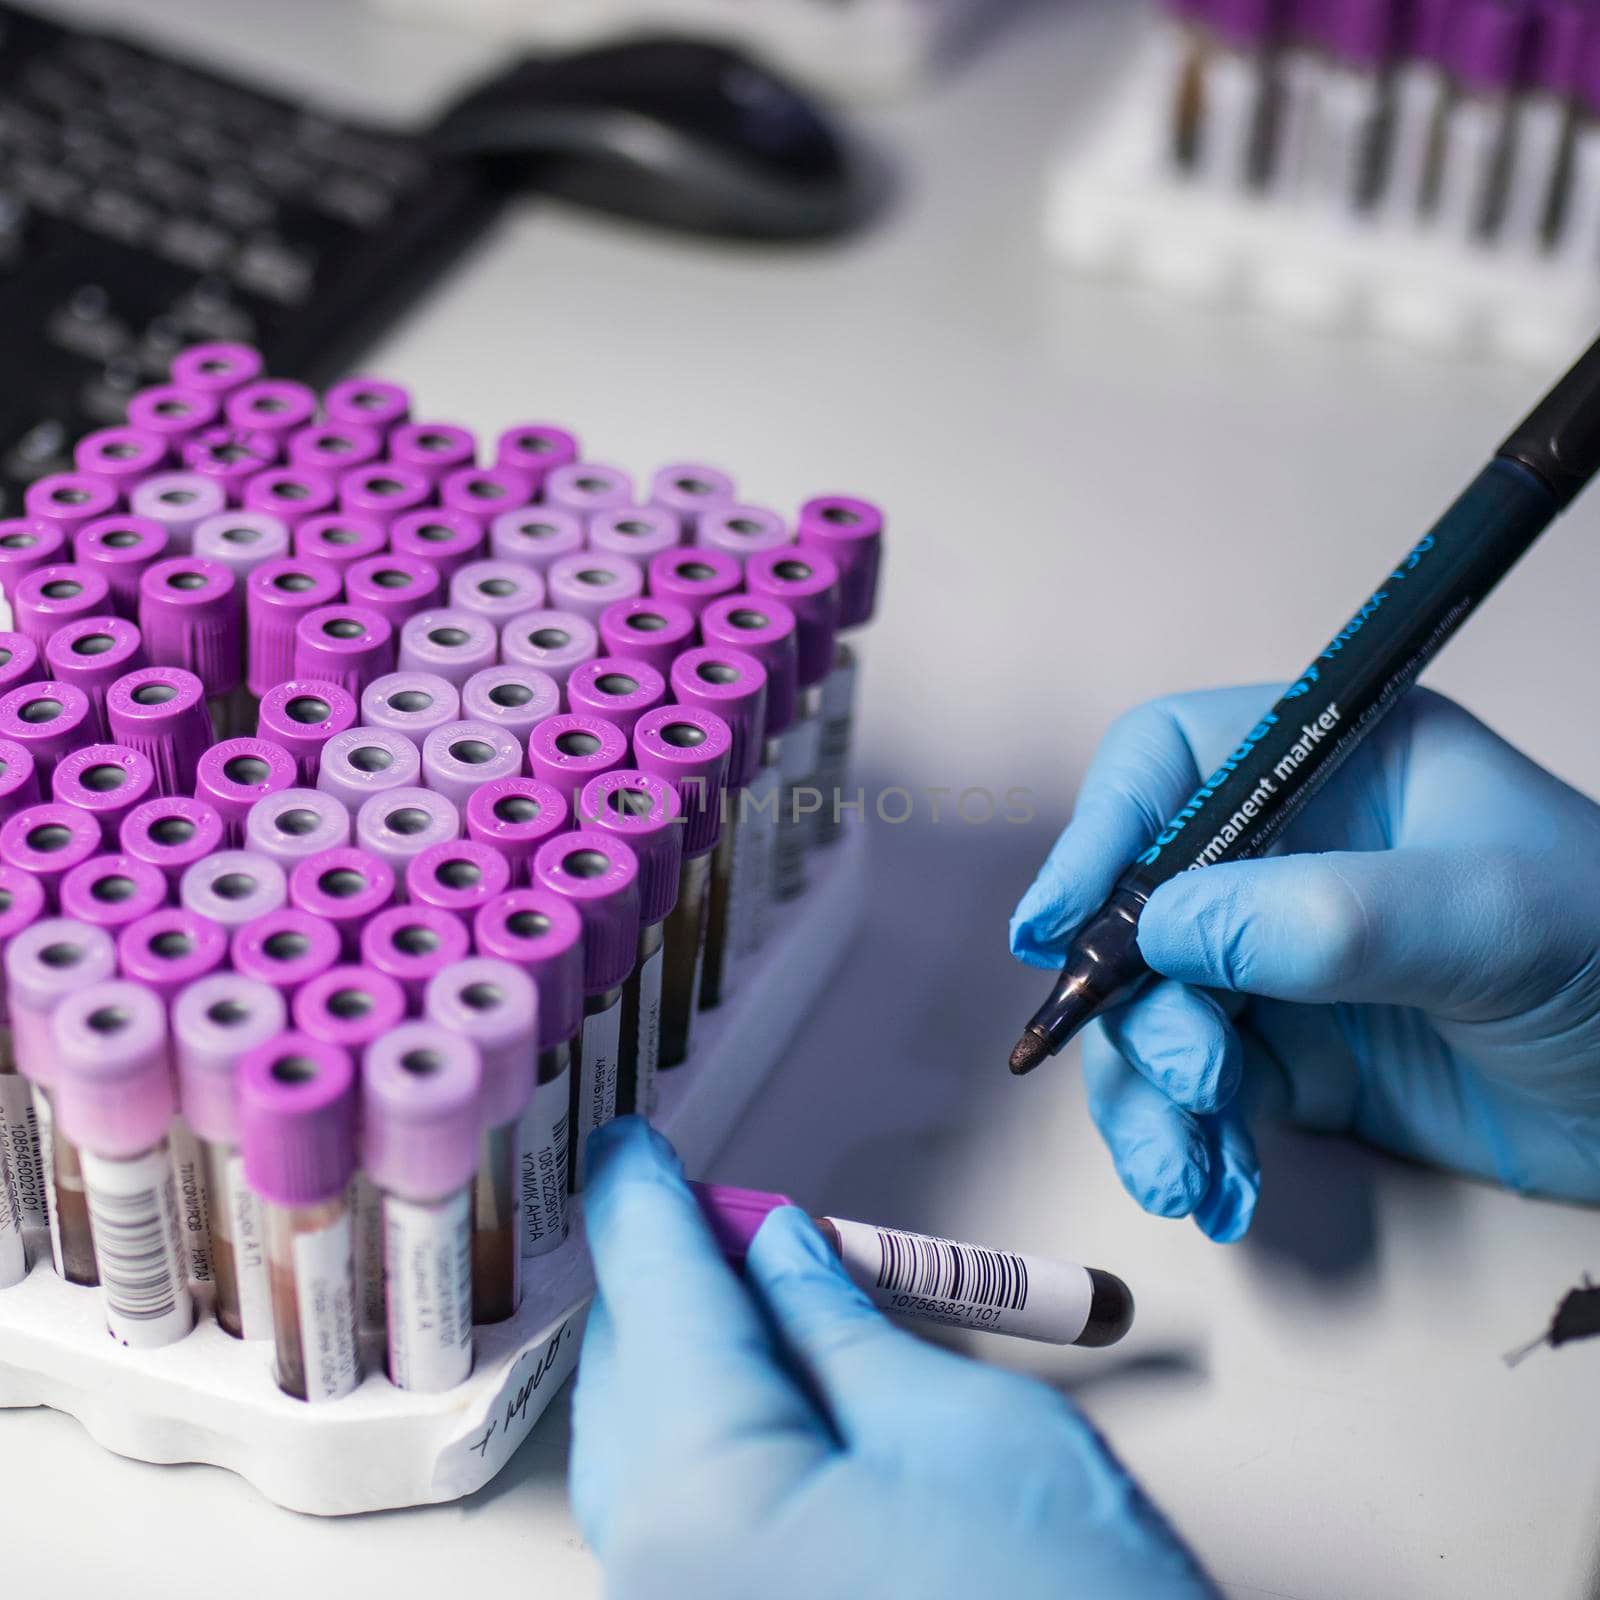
point(672, 131)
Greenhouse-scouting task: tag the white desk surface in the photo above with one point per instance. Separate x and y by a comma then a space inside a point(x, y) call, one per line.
point(1163, 499)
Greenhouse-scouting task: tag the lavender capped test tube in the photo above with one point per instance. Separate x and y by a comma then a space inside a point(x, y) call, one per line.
point(49, 840)
point(691, 490)
point(21, 905)
point(452, 644)
point(398, 586)
point(330, 449)
point(234, 775)
point(515, 816)
point(619, 689)
point(68, 501)
point(271, 405)
point(340, 539)
point(291, 495)
point(367, 403)
point(514, 699)
point(645, 811)
point(215, 1021)
point(402, 823)
point(542, 934)
point(648, 630)
point(111, 891)
point(694, 578)
point(20, 661)
point(457, 877)
point(1229, 139)
point(411, 943)
point(51, 596)
point(585, 487)
point(295, 823)
point(412, 704)
point(191, 616)
point(345, 888)
point(1553, 73)
point(535, 449)
point(362, 762)
point(567, 751)
point(48, 720)
point(743, 531)
point(496, 590)
point(120, 549)
point(286, 948)
point(172, 413)
point(91, 653)
point(229, 458)
point(589, 582)
point(106, 782)
point(19, 781)
point(690, 748)
point(850, 531)
point(161, 713)
point(734, 686)
point(552, 641)
point(169, 949)
point(297, 1128)
point(535, 536)
point(233, 887)
point(121, 457)
point(45, 963)
point(493, 1004)
point(115, 1101)
point(172, 832)
point(460, 756)
point(303, 715)
point(446, 539)
point(218, 369)
point(635, 532)
point(343, 644)
point(1484, 58)
point(241, 541)
point(420, 1109)
point(349, 1006)
point(25, 546)
point(432, 448)
point(383, 491)
point(180, 502)
point(482, 493)
point(277, 594)
point(599, 875)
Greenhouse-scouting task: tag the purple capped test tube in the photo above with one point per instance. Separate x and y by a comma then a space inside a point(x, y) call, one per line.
point(653, 631)
point(344, 888)
point(48, 840)
point(432, 448)
point(483, 493)
point(535, 536)
point(302, 715)
point(496, 590)
point(460, 756)
point(112, 891)
point(121, 549)
point(619, 688)
point(290, 494)
point(362, 762)
point(343, 644)
point(567, 751)
point(515, 816)
point(120, 456)
point(19, 782)
point(285, 948)
point(20, 661)
point(241, 541)
point(743, 531)
point(172, 413)
point(851, 532)
point(383, 491)
point(233, 887)
point(694, 578)
point(637, 532)
point(53, 595)
point(409, 944)
point(589, 582)
point(218, 368)
point(191, 616)
point(229, 458)
point(444, 538)
point(350, 1006)
point(22, 904)
point(161, 712)
point(331, 449)
point(691, 489)
point(367, 403)
point(513, 699)
point(180, 502)
point(765, 629)
point(91, 653)
point(48, 720)
point(68, 501)
point(25, 546)
point(451, 644)
point(535, 449)
point(106, 782)
point(171, 832)
point(553, 642)
point(277, 594)
point(397, 586)
point(340, 539)
point(644, 810)
point(295, 823)
point(402, 823)
point(599, 875)
point(272, 405)
point(410, 703)
point(168, 949)
point(585, 487)
point(233, 775)
point(456, 877)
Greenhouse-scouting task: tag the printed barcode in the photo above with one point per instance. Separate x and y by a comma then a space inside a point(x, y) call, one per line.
point(939, 1269)
point(134, 1254)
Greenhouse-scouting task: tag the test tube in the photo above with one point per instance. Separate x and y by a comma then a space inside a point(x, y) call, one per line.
point(410, 944)
point(457, 877)
point(48, 840)
point(446, 540)
point(485, 492)
point(120, 549)
point(20, 661)
point(295, 823)
point(340, 539)
point(1344, 165)
point(410, 703)
point(451, 644)
point(272, 405)
point(46, 963)
point(514, 699)
point(345, 645)
point(432, 448)
point(69, 501)
point(690, 490)
point(743, 531)
point(218, 368)
point(297, 1127)
point(241, 541)
point(585, 487)
point(734, 686)
point(19, 782)
point(48, 720)
point(285, 948)
point(647, 630)
point(344, 888)
point(180, 502)
point(1230, 148)
point(567, 751)
point(236, 775)
point(302, 715)
point(21, 905)
point(552, 641)
point(398, 586)
point(52, 596)
point(383, 491)
point(115, 1102)
point(619, 689)
point(542, 933)
point(172, 413)
point(277, 594)
point(91, 653)
point(536, 449)
point(367, 403)
point(599, 875)
point(514, 816)
point(215, 1021)
point(191, 617)
point(161, 713)
point(121, 456)
point(362, 762)
point(535, 536)
point(496, 589)
point(171, 833)
point(644, 811)
point(420, 1094)
point(25, 546)
point(693, 578)
point(402, 823)
point(1576, 243)
point(233, 887)
point(461, 756)
point(111, 891)
point(938, 1280)
point(689, 747)
point(493, 1004)
point(229, 457)
point(636, 533)
point(1484, 56)
point(170, 949)
point(331, 449)
point(106, 781)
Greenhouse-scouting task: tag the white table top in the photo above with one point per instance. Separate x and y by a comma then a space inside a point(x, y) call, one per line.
point(1164, 500)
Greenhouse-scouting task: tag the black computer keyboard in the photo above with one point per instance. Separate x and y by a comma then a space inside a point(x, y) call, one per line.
point(146, 205)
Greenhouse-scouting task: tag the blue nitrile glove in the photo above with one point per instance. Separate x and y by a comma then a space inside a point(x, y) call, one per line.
point(1429, 981)
point(779, 1438)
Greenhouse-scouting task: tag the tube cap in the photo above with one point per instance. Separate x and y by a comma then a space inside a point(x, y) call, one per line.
point(618, 688)
point(120, 456)
point(68, 501)
point(180, 502)
point(496, 589)
point(733, 684)
point(432, 448)
point(277, 594)
point(535, 536)
point(743, 531)
point(398, 586)
point(589, 582)
point(645, 811)
point(241, 541)
point(190, 616)
point(483, 493)
point(290, 494)
point(233, 887)
point(402, 823)
point(161, 713)
point(229, 458)
point(567, 751)
point(46, 962)
point(91, 653)
point(295, 823)
point(21, 905)
point(368, 403)
point(421, 1127)
point(515, 816)
point(362, 762)
point(171, 833)
point(494, 1004)
point(218, 369)
point(383, 491)
point(48, 720)
point(19, 780)
point(173, 413)
point(297, 1120)
point(234, 775)
point(411, 943)
point(689, 747)
point(340, 539)
point(214, 1022)
point(112, 891)
point(585, 487)
point(303, 715)
point(851, 532)
point(410, 703)
point(691, 489)
point(343, 644)
point(104, 781)
point(542, 933)
point(535, 449)
point(170, 949)
point(1555, 60)
point(272, 405)
point(330, 449)
point(19, 660)
point(647, 630)
point(49, 840)
point(120, 549)
point(113, 1091)
point(460, 756)
point(54, 595)
point(635, 532)
point(599, 874)
point(735, 1215)
point(1485, 45)
point(456, 877)
point(694, 578)
point(349, 1006)
point(764, 628)
point(446, 539)
point(807, 581)
point(452, 644)
point(26, 545)
point(513, 699)
point(344, 887)
point(286, 948)
point(553, 641)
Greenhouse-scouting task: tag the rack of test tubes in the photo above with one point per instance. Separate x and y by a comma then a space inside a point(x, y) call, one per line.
point(374, 824)
point(1427, 170)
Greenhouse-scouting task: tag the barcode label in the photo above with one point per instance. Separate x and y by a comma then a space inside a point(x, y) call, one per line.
point(757, 812)
point(597, 1081)
point(19, 1130)
point(428, 1273)
point(249, 1252)
point(965, 1285)
point(545, 1129)
point(325, 1291)
point(139, 1247)
point(13, 1254)
point(647, 1053)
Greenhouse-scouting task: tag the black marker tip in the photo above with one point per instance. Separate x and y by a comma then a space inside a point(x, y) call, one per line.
point(1028, 1052)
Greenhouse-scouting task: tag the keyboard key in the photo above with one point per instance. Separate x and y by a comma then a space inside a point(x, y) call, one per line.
point(275, 270)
